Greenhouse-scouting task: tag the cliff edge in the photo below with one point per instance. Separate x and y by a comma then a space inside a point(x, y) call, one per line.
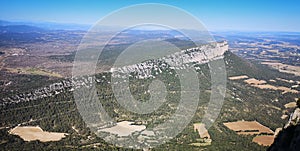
point(289, 138)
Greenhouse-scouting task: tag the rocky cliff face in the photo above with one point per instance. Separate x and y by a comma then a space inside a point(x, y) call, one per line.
point(147, 69)
point(289, 138)
point(179, 60)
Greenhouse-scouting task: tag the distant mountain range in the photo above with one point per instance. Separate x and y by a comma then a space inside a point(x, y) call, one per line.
point(47, 25)
point(20, 29)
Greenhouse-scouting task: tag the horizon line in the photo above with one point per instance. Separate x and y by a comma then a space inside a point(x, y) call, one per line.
point(27, 22)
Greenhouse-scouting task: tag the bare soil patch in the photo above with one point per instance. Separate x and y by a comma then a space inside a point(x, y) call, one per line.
point(285, 80)
point(238, 77)
point(205, 139)
point(253, 81)
point(31, 133)
point(284, 67)
point(124, 128)
point(281, 88)
point(290, 105)
point(248, 127)
point(203, 133)
point(262, 84)
point(265, 140)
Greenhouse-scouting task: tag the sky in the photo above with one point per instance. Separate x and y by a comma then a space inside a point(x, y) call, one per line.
point(216, 15)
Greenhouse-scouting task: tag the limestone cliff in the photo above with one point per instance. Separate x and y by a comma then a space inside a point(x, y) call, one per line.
point(147, 69)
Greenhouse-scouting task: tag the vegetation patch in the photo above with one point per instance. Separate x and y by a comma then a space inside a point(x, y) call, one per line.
point(34, 71)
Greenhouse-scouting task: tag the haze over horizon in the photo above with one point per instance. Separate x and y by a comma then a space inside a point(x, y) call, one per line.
point(216, 15)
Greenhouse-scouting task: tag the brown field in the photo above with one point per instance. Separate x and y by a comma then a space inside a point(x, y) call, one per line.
point(238, 77)
point(254, 132)
point(284, 67)
point(205, 139)
point(265, 140)
point(31, 133)
point(248, 127)
point(255, 81)
point(203, 133)
point(281, 88)
point(262, 84)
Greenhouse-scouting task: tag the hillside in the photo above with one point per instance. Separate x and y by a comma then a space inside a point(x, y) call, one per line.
point(54, 109)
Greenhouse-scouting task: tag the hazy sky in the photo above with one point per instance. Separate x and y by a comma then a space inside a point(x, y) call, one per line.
point(255, 15)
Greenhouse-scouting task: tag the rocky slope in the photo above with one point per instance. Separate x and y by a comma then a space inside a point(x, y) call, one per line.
point(289, 138)
point(147, 69)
